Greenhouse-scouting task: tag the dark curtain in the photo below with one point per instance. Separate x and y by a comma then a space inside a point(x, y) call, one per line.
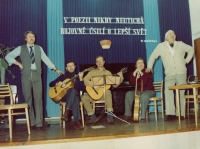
point(84, 48)
point(175, 15)
point(17, 17)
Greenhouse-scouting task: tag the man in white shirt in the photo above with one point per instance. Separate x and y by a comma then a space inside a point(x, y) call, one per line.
point(31, 56)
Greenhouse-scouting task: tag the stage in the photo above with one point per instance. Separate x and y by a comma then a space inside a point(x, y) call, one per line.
point(55, 135)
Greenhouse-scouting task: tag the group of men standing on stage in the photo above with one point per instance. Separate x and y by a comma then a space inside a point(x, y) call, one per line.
point(172, 53)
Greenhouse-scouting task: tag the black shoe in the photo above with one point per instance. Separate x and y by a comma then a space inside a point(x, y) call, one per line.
point(170, 117)
point(110, 121)
point(92, 120)
point(33, 127)
point(66, 119)
point(77, 125)
point(43, 127)
point(142, 120)
point(182, 117)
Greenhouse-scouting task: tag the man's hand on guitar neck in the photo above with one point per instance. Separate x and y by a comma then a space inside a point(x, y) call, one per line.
point(121, 76)
point(80, 76)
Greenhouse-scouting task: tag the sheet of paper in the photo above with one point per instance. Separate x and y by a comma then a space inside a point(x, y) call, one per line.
point(98, 127)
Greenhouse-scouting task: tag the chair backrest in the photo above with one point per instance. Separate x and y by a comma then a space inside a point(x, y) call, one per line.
point(6, 93)
point(158, 87)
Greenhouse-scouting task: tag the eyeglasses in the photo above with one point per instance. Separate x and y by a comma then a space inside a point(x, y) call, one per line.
point(97, 61)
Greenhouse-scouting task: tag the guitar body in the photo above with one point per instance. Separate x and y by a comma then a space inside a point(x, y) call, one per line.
point(96, 93)
point(56, 93)
point(136, 111)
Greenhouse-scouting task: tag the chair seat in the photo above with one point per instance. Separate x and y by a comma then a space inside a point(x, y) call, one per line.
point(191, 96)
point(158, 87)
point(15, 106)
point(64, 103)
point(99, 101)
point(5, 91)
point(155, 98)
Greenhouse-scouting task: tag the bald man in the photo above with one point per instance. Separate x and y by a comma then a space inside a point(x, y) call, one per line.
point(172, 53)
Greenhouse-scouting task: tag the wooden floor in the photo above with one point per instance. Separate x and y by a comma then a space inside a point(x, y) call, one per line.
point(56, 134)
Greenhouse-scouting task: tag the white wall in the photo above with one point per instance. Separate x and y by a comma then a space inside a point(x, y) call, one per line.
point(195, 22)
point(195, 18)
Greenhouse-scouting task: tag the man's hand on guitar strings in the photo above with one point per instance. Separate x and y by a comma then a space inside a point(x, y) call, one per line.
point(59, 83)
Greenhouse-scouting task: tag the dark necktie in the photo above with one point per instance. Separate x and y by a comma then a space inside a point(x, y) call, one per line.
point(32, 55)
point(171, 44)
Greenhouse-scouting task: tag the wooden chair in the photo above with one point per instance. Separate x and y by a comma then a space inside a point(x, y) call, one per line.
point(6, 94)
point(62, 111)
point(188, 100)
point(98, 103)
point(158, 87)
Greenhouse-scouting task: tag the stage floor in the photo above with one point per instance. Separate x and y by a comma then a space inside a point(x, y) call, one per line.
point(56, 134)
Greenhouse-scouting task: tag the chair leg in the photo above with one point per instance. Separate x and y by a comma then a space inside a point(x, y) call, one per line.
point(63, 111)
point(27, 121)
point(93, 106)
point(162, 109)
point(155, 107)
point(10, 122)
point(188, 107)
point(82, 115)
point(147, 115)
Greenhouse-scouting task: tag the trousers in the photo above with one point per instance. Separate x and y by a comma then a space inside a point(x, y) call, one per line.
point(169, 94)
point(72, 100)
point(87, 100)
point(144, 101)
point(32, 91)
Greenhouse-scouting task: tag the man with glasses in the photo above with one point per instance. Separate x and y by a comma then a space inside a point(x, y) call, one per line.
point(99, 71)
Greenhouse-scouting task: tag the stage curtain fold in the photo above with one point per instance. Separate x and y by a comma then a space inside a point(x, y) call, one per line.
point(55, 49)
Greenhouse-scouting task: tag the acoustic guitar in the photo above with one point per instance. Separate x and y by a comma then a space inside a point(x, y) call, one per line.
point(56, 93)
point(97, 92)
point(136, 110)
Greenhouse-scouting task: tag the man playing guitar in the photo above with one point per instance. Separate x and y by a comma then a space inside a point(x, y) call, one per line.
point(99, 71)
point(72, 97)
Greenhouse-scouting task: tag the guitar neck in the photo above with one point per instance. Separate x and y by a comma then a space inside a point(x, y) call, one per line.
point(75, 76)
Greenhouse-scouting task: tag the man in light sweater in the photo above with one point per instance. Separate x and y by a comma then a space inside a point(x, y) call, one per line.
point(172, 53)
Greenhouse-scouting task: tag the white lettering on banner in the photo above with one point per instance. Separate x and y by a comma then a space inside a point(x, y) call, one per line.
point(80, 19)
point(103, 30)
point(139, 31)
point(102, 20)
point(123, 31)
point(130, 20)
point(97, 30)
point(72, 30)
point(65, 19)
